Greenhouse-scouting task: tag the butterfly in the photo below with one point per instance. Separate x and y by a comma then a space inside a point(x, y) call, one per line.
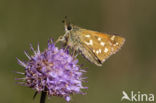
point(94, 46)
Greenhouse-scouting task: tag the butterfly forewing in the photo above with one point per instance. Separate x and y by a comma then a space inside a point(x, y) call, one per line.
point(102, 45)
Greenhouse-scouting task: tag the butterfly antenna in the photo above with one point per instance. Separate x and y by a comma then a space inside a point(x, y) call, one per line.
point(66, 21)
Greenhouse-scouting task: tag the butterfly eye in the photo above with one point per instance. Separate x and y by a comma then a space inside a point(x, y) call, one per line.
point(69, 27)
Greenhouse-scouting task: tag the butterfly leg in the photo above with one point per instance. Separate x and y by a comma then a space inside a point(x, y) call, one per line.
point(73, 52)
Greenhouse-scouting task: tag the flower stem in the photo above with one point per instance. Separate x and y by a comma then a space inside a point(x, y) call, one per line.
point(43, 97)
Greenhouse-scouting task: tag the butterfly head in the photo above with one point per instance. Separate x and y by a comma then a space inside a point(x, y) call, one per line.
point(69, 27)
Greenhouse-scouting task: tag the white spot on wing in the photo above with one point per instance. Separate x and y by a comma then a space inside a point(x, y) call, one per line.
point(90, 42)
point(106, 50)
point(88, 36)
point(99, 39)
point(102, 43)
point(116, 44)
point(113, 37)
point(99, 50)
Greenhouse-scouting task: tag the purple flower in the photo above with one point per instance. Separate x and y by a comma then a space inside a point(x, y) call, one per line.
point(54, 71)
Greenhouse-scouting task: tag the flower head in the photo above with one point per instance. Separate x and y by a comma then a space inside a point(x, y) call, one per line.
point(54, 71)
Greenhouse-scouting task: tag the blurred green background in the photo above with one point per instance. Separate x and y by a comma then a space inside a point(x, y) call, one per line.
point(133, 68)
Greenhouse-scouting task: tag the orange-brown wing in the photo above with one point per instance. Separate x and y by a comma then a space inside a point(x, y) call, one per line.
point(87, 52)
point(102, 45)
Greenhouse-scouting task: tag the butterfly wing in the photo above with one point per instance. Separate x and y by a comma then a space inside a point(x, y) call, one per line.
point(100, 45)
point(88, 53)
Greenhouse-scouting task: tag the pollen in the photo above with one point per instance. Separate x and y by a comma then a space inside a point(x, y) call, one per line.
point(106, 50)
point(102, 43)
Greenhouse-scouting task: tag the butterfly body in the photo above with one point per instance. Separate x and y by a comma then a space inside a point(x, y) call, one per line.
point(95, 46)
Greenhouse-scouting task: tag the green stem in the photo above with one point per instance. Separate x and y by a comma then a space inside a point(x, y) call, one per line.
point(43, 97)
